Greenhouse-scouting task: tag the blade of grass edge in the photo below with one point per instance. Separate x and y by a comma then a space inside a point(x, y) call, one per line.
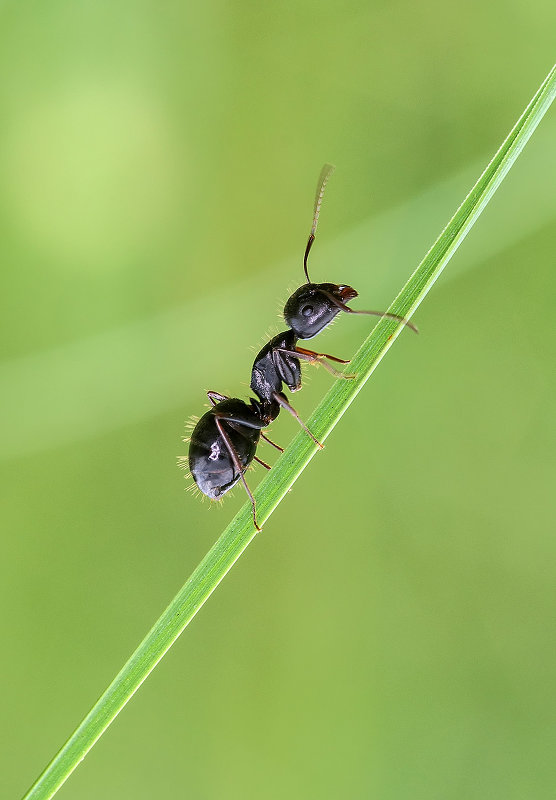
point(273, 488)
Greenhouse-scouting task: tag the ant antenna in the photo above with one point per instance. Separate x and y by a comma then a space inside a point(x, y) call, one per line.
point(344, 307)
point(325, 173)
point(405, 321)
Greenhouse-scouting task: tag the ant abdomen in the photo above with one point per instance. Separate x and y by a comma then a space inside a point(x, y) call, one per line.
point(222, 446)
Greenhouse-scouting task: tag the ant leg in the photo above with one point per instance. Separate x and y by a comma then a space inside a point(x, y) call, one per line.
point(216, 397)
point(281, 400)
point(321, 355)
point(262, 463)
point(317, 358)
point(237, 465)
point(277, 446)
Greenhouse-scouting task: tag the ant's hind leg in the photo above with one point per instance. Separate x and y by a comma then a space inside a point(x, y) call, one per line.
point(216, 397)
point(237, 465)
point(281, 400)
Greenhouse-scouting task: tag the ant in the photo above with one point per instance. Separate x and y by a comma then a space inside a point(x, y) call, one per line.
point(224, 441)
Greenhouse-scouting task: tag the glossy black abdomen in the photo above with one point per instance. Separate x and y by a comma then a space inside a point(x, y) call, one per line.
point(210, 462)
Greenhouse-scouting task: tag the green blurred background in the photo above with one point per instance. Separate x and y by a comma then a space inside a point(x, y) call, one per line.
point(391, 634)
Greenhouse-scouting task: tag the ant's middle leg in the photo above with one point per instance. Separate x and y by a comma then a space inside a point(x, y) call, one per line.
point(277, 446)
point(317, 358)
point(281, 400)
point(216, 397)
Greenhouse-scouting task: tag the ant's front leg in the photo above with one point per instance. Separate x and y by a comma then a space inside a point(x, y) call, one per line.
point(318, 358)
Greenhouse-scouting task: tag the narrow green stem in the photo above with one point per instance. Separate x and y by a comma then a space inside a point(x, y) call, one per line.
point(240, 531)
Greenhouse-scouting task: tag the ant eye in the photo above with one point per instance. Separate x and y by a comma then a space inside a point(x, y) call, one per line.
point(307, 311)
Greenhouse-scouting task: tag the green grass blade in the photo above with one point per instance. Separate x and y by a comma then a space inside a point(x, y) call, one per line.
point(240, 531)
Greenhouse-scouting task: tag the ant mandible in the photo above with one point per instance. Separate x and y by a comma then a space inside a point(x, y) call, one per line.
point(224, 441)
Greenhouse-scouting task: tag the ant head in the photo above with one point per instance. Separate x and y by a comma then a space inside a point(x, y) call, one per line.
point(313, 306)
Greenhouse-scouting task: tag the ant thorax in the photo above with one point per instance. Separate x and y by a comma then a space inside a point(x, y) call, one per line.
point(274, 365)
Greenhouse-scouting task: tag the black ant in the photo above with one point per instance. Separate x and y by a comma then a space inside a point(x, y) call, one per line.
point(224, 441)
